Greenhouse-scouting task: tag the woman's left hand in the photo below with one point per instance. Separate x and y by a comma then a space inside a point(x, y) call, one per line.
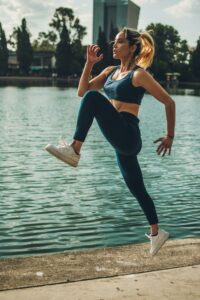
point(165, 145)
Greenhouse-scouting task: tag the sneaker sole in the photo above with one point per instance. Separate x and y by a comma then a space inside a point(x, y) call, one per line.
point(161, 243)
point(58, 155)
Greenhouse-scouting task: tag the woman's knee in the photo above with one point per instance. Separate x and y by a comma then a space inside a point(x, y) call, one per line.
point(134, 148)
point(91, 94)
point(129, 147)
point(95, 99)
point(128, 150)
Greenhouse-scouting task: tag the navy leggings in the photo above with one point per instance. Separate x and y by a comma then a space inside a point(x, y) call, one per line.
point(122, 132)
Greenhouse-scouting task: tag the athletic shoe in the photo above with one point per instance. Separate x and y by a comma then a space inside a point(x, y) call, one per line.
point(64, 152)
point(157, 241)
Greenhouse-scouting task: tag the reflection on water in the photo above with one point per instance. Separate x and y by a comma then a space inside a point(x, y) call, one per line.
point(47, 206)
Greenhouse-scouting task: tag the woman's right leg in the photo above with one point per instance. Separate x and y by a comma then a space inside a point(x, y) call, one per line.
point(112, 124)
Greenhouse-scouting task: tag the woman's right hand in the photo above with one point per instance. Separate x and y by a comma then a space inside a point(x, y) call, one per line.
point(92, 57)
point(165, 145)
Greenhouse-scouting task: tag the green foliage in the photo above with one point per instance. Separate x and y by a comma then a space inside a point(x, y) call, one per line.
point(181, 65)
point(171, 54)
point(3, 52)
point(45, 41)
point(104, 49)
point(69, 50)
point(78, 31)
point(195, 61)
point(12, 41)
point(113, 32)
point(24, 48)
point(64, 54)
point(65, 38)
point(78, 53)
point(65, 16)
point(62, 16)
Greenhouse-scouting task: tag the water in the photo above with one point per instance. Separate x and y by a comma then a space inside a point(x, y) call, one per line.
point(47, 206)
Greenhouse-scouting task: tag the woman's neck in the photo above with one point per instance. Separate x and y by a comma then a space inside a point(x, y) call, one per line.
point(127, 65)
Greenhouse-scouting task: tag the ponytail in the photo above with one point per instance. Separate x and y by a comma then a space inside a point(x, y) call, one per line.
point(145, 48)
point(145, 57)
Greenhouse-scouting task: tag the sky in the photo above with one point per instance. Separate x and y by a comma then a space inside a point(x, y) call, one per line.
point(183, 15)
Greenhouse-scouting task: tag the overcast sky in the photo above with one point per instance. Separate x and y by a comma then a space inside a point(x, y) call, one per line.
point(183, 15)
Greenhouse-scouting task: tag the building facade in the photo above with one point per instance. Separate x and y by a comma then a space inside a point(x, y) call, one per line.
point(113, 13)
point(43, 63)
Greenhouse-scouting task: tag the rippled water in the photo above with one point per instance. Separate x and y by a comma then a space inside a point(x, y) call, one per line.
point(47, 206)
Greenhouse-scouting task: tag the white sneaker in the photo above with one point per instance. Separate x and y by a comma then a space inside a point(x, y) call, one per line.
point(64, 152)
point(158, 240)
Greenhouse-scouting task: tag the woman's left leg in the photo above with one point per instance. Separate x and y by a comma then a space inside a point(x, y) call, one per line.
point(132, 175)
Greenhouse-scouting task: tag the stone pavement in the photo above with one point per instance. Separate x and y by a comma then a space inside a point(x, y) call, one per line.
point(122, 272)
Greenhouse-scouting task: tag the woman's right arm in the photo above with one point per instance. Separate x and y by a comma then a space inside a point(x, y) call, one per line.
point(85, 78)
point(96, 83)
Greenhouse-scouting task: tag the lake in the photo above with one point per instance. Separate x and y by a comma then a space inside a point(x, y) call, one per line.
point(47, 206)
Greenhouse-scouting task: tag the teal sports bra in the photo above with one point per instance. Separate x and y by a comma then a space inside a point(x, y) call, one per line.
point(123, 89)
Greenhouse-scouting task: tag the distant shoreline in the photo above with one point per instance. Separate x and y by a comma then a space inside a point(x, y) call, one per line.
point(182, 88)
point(40, 81)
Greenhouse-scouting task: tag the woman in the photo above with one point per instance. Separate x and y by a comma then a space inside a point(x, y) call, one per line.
point(117, 116)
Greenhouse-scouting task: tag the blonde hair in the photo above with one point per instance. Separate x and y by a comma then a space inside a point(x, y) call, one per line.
point(144, 42)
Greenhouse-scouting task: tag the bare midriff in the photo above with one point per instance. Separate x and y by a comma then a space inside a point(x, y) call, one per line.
point(120, 106)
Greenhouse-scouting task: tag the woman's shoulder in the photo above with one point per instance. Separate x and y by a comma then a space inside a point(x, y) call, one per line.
point(139, 75)
point(109, 69)
point(140, 72)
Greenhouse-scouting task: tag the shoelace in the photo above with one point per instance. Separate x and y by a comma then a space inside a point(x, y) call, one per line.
point(62, 143)
point(149, 236)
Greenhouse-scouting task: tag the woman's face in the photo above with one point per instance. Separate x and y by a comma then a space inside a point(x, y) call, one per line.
point(121, 48)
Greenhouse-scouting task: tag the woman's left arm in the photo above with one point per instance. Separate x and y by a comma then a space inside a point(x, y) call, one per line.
point(144, 79)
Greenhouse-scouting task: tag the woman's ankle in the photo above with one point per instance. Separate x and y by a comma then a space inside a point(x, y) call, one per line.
point(154, 229)
point(76, 149)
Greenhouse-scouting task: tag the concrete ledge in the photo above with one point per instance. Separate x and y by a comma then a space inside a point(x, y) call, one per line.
point(98, 263)
point(172, 284)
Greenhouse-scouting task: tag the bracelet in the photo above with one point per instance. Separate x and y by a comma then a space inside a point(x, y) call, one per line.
point(170, 136)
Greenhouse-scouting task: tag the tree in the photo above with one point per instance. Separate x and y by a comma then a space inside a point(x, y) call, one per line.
point(195, 61)
point(113, 33)
point(104, 49)
point(12, 41)
point(78, 31)
point(69, 51)
point(62, 16)
point(183, 52)
point(3, 52)
point(24, 48)
point(45, 41)
point(170, 50)
point(78, 53)
point(181, 64)
point(64, 54)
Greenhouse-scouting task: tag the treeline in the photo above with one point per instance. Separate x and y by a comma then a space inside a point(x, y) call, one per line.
point(172, 54)
point(65, 39)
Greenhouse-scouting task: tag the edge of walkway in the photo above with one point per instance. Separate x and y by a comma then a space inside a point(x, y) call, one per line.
point(97, 263)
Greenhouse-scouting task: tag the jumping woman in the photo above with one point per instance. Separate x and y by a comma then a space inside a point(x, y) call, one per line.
point(117, 115)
